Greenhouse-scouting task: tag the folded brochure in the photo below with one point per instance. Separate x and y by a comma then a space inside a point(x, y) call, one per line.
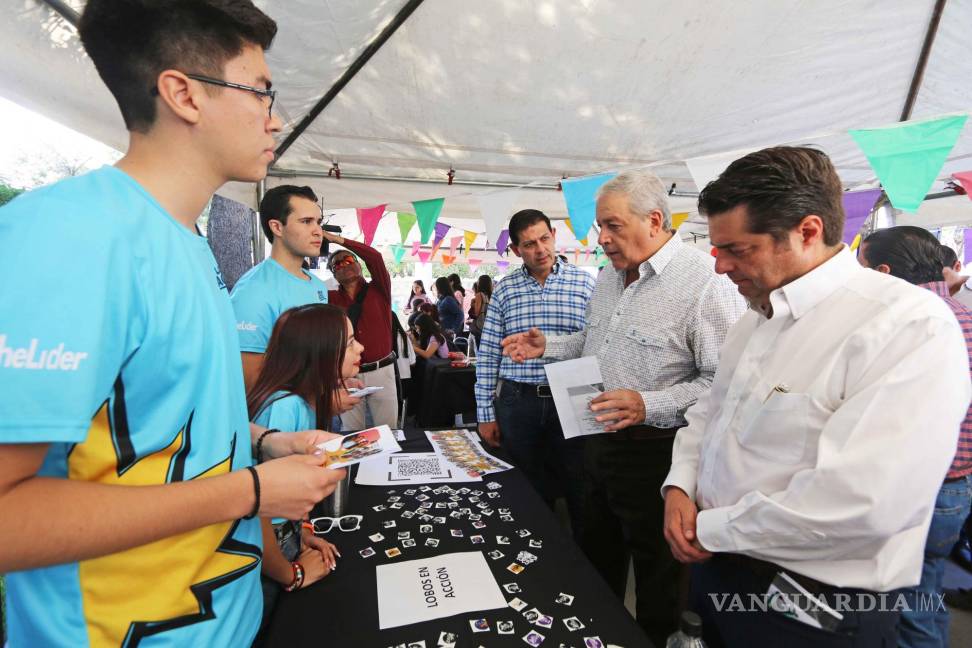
point(360, 446)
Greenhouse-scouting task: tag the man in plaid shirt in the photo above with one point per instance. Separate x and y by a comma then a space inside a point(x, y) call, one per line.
point(550, 295)
point(913, 254)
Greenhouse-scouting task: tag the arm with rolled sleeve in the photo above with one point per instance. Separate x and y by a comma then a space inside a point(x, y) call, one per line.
point(489, 357)
point(718, 309)
point(375, 263)
point(881, 458)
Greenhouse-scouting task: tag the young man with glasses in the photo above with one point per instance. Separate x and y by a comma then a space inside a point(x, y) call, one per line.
point(125, 450)
point(369, 308)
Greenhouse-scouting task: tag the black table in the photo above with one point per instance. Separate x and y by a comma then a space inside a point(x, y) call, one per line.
point(447, 391)
point(341, 611)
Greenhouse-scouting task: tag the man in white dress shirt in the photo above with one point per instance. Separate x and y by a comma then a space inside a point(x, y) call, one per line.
point(812, 466)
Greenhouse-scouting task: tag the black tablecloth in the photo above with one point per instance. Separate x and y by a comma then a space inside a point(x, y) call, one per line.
point(341, 611)
point(447, 391)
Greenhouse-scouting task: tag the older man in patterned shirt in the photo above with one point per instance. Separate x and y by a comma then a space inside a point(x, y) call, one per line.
point(656, 322)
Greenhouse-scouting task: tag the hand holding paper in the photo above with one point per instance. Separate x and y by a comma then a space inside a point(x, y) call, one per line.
point(523, 346)
point(359, 446)
point(619, 408)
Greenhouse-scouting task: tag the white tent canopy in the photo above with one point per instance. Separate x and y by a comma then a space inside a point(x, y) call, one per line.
point(518, 93)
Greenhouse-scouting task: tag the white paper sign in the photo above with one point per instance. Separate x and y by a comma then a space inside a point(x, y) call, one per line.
point(410, 468)
point(573, 383)
point(433, 588)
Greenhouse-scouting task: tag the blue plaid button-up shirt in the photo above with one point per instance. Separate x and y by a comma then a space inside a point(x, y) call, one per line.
point(519, 303)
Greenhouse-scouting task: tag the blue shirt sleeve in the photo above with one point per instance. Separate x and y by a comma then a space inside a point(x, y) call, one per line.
point(64, 336)
point(287, 414)
point(254, 318)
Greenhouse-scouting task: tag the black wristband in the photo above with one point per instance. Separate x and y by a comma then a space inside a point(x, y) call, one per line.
point(259, 444)
point(256, 492)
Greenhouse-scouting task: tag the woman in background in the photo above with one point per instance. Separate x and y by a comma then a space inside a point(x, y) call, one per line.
point(419, 294)
point(450, 312)
point(427, 338)
point(477, 311)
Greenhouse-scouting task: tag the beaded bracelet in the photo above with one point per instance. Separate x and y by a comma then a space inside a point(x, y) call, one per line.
point(298, 577)
point(259, 444)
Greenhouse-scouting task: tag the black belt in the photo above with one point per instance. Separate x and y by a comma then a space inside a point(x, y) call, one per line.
point(767, 571)
point(955, 479)
point(365, 367)
point(529, 389)
point(642, 433)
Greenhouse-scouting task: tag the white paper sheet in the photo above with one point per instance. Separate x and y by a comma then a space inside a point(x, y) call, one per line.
point(572, 384)
point(365, 391)
point(410, 468)
point(433, 588)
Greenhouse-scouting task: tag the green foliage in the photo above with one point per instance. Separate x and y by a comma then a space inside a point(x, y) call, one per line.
point(8, 193)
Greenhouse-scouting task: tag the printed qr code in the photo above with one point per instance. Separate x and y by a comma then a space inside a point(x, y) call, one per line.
point(418, 467)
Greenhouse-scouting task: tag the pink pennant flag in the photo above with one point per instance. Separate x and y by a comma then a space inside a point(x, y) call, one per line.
point(416, 246)
point(454, 245)
point(368, 221)
point(424, 256)
point(474, 262)
point(502, 265)
point(576, 255)
point(587, 257)
point(964, 178)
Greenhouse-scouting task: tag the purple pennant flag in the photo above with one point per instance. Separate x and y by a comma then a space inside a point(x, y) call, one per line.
point(502, 265)
point(967, 248)
point(441, 229)
point(504, 240)
point(857, 207)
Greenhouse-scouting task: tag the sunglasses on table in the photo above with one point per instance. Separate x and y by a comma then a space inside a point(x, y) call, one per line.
point(326, 524)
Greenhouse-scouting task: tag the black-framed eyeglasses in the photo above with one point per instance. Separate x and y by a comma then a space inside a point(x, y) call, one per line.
point(263, 92)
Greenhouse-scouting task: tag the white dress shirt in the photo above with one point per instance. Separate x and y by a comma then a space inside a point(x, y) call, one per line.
point(661, 334)
point(829, 428)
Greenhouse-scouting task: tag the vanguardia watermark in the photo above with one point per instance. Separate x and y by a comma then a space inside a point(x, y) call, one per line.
point(838, 602)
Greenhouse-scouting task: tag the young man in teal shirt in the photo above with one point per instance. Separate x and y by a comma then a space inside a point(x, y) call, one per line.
point(125, 450)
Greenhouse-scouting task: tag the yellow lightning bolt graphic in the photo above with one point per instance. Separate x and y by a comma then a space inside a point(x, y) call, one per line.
point(146, 584)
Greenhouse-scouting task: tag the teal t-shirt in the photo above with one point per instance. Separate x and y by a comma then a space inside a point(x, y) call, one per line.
point(288, 413)
point(118, 349)
point(263, 293)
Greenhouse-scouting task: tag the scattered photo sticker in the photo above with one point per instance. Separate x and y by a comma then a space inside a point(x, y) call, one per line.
point(512, 588)
point(535, 544)
point(479, 625)
point(518, 604)
point(593, 642)
point(447, 638)
point(402, 535)
point(532, 615)
point(545, 621)
point(503, 540)
point(393, 552)
point(496, 554)
point(564, 599)
point(425, 528)
point(431, 542)
point(534, 638)
point(367, 552)
point(389, 524)
point(504, 627)
point(408, 542)
point(477, 539)
point(376, 537)
point(573, 624)
point(455, 533)
point(515, 568)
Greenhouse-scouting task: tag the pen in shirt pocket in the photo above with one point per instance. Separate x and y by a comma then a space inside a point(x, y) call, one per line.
point(779, 389)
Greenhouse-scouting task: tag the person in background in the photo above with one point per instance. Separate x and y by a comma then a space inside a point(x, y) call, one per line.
point(456, 282)
point(418, 296)
point(368, 304)
point(427, 338)
point(817, 454)
point(416, 310)
point(309, 357)
point(477, 310)
point(915, 255)
point(958, 284)
point(450, 312)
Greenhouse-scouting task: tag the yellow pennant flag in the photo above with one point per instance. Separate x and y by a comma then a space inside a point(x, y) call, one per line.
point(678, 219)
point(470, 239)
point(570, 226)
point(856, 243)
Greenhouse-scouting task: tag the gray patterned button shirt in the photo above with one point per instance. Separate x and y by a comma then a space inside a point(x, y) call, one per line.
point(661, 335)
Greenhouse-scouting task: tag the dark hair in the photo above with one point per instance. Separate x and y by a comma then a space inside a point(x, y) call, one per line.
point(428, 329)
point(457, 283)
point(912, 253)
point(417, 303)
point(444, 287)
point(485, 285)
point(431, 310)
point(949, 257)
point(303, 357)
point(524, 219)
point(779, 187)
point(276, 205)
point(131, 42)
point(421, 285)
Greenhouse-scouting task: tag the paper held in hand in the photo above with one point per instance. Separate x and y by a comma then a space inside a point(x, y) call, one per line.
point(433, 588)
point(364, 391)
point(359, 446)
point(573, 383)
